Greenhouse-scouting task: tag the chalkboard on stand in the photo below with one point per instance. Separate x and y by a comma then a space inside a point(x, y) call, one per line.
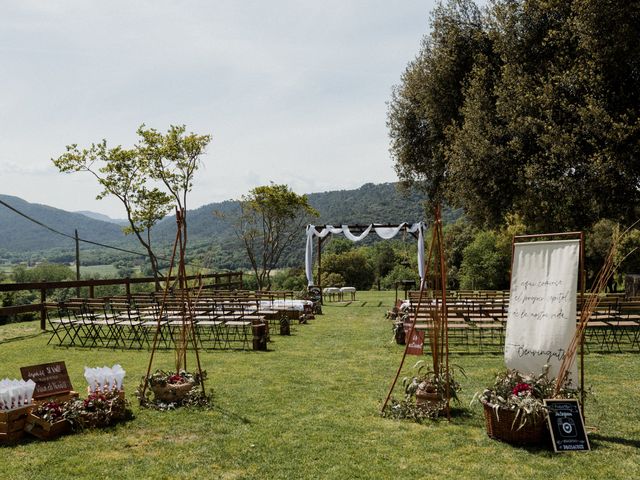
point(566, 426)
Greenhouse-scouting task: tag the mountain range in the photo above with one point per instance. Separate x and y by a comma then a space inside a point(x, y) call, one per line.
point(210, 230)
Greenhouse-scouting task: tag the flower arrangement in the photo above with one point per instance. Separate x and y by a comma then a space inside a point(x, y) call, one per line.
point(99, 409)
point(47, 421)
point(428, 382)
point(172, 389)
point(49, 412)
point(523, 395)
point(160, 378)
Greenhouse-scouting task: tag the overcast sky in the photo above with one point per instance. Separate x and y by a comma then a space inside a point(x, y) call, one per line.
point(292, 92)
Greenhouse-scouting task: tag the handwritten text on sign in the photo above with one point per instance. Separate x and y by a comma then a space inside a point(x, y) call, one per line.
point(542, 305)
point(566, 425)
point(51, 379)
point(416, 343)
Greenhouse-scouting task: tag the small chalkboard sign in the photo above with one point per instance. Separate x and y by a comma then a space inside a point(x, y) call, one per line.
point(566, 426)
point(51, 379)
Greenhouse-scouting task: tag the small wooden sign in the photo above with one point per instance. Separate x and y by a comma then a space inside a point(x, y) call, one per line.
point(566, 426)
point(51, 379)
point(415, 343)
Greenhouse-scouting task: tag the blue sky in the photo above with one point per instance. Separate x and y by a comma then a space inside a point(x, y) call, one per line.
point(292, 92)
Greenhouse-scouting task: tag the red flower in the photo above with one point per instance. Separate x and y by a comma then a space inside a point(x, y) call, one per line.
point(177, 378)
point(521, 389)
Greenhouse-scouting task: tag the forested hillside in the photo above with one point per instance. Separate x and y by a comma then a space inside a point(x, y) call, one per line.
point(18, 234)
point(211, 236)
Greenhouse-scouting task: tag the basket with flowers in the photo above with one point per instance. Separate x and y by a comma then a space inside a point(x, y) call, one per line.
point(513, 407)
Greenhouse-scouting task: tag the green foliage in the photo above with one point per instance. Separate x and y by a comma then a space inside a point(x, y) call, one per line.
point(428, 100)
point(532, 109)
point(131, 175)
point(289, 279)
point(249, 281)
point(333, 279)
point(46, 272)
point(382, 258)
point(457, 236)
point(271, 218)
point(352, 266)
point(338, 245)
point(598, 243)
point(397, 274)
point(484, 265)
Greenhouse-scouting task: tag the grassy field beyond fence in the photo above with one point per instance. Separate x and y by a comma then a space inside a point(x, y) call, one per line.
point(308, 409)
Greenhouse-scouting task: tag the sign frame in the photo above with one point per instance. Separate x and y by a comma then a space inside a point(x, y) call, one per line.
point(581, 284)
point(566, 425)
point(51, 379)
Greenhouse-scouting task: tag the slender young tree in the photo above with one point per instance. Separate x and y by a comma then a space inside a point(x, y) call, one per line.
point(172, 159)
point(134, 176)
point(271, 218)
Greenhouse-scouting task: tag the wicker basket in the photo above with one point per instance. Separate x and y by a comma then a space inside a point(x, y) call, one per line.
point(502, 427)
point(172, 392)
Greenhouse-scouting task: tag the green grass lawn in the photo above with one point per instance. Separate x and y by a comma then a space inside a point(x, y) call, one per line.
point(309, 407)
point(103, 271)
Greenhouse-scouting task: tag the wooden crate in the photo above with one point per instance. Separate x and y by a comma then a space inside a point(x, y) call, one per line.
point(64, 397)
point(45, 430)
point(12, 423)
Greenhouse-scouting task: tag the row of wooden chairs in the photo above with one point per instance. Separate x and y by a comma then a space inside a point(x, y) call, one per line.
point(219, 321)
point(614, 325)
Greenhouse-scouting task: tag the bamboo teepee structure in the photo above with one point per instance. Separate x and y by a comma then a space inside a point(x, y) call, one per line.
point(186, 334)
point(438, 336)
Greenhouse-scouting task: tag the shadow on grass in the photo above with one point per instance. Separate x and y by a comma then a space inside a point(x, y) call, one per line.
point(619, 440)
point(23, 337)
point(230, 415)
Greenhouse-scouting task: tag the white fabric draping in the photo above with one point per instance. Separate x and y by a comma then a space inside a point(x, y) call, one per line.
point(351, 236)
point(385, 233)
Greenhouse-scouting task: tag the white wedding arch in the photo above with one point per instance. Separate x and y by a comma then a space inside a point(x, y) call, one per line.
point(355, 233)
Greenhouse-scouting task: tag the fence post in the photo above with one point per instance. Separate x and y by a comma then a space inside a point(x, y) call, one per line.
point(77, 263)
point(43, 311)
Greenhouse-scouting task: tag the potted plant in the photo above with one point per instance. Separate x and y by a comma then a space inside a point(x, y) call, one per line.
point(425, 394)
point(47, 421)
point(513, 407)
point(430, 389)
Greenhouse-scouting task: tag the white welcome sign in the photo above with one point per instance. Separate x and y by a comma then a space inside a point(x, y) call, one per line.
point(542, 306)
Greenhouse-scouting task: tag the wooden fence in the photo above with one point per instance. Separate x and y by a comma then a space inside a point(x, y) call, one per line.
point(222, 281)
